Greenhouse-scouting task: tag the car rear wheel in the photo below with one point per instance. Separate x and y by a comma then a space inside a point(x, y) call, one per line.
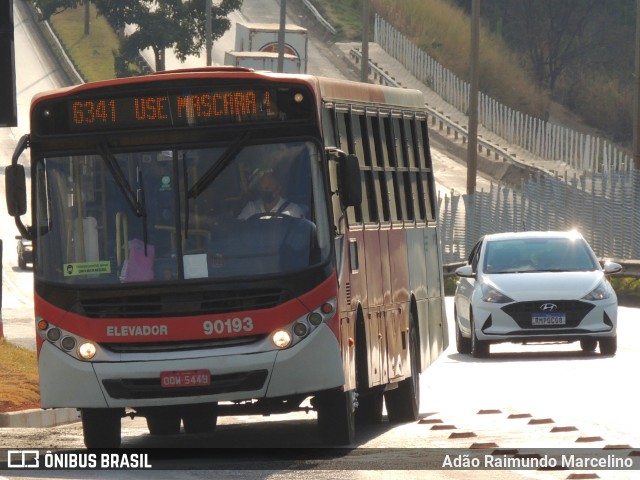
point(608, 345)
point(588, 344)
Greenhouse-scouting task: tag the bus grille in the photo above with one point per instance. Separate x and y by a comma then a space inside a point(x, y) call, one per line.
point(138, 388)
point(152, 347)
point(180, 304)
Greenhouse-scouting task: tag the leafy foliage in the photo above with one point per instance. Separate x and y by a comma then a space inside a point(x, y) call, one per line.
point(159, 24)
point(565, 42)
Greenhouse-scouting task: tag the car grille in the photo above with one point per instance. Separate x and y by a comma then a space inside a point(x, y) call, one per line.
point(138, 388)
point(574, 311)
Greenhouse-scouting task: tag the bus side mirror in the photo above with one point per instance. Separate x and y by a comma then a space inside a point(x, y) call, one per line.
point(350, 184)
point(16, 190)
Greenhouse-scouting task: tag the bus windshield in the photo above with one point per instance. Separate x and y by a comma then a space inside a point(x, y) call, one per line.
point(226, 211)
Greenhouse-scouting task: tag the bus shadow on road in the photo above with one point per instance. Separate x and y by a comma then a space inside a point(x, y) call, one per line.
point(255, 435)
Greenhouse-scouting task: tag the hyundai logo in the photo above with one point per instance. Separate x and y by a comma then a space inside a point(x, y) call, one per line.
point(548, 307)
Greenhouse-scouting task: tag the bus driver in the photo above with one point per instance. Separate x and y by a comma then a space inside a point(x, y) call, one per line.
point(270, 200)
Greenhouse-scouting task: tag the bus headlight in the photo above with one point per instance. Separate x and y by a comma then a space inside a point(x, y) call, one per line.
point(304, 326)
point(66, 341)
point(87, 350)
point(281, 338)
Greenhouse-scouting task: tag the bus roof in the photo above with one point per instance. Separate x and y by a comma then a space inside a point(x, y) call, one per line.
point(330, 89)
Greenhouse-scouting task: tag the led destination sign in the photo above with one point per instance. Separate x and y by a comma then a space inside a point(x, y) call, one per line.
point(195, 108)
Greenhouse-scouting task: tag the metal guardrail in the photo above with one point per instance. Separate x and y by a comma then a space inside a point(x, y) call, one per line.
point(319, 17)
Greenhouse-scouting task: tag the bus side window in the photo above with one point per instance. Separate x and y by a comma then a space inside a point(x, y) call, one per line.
point(328, 126)
point(368, 205)
point(354, 214)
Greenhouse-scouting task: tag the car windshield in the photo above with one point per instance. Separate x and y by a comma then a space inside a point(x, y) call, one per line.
point(173, 215)
point(539, 255)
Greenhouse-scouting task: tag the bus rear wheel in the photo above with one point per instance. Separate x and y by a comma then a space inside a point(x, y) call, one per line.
point(336, 416)
point(403, 403)
point(101, 427)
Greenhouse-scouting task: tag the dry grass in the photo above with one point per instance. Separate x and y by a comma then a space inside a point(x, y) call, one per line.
point(443, 31)
point(92, 54)
point(18, 378)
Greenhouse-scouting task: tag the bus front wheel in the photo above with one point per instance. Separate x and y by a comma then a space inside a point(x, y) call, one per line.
point(200, 418)
point(336, 416)
point(163, 420)
point(101, 427)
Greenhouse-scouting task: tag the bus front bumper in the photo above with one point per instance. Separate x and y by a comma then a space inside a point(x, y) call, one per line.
point(312, 365)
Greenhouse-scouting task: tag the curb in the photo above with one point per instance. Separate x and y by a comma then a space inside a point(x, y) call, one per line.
point(38, 418)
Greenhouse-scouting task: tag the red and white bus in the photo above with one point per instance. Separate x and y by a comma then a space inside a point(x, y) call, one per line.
point(155, 296)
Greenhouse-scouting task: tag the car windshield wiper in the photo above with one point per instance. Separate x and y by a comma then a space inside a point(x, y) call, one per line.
point(209, 176)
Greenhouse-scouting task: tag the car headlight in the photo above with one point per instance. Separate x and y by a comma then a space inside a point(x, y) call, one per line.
point(601, 292)
point(490, 294)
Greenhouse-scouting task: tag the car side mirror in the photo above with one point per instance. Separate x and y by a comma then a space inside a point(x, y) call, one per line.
point(465, 271)
point(611, 268)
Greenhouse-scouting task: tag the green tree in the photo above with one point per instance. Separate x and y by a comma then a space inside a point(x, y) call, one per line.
point(159, 24)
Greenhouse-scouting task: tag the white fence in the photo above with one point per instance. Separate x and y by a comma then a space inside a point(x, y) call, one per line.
point(605, 208)
point(543, 139)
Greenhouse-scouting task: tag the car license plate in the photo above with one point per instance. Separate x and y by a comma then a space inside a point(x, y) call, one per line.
point(185, 378)
point(548, 319)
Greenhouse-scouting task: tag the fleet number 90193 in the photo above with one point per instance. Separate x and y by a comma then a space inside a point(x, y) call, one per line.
point(230, 325)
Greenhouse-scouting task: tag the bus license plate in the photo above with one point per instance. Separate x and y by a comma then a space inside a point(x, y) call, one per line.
point(548, 319)
point(185, 378)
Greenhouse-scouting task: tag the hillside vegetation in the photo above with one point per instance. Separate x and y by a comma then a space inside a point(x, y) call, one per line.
point(596, 97)
point(601, 97)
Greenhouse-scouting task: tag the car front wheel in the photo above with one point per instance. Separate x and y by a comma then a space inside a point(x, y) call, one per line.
point(588, 344)
point(463, 344)
point(479, 348)
point(608, 345)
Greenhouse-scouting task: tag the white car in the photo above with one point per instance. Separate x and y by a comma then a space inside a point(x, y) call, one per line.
point(533, 287)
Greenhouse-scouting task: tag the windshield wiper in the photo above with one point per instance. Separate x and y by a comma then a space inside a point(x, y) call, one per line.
point(135, 199)
point(209, 176)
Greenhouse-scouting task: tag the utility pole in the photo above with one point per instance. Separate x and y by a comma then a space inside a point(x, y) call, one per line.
point(283, 23)
point(636, 116)
point(364, 61)
point(208, 41)
point(472, 147)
